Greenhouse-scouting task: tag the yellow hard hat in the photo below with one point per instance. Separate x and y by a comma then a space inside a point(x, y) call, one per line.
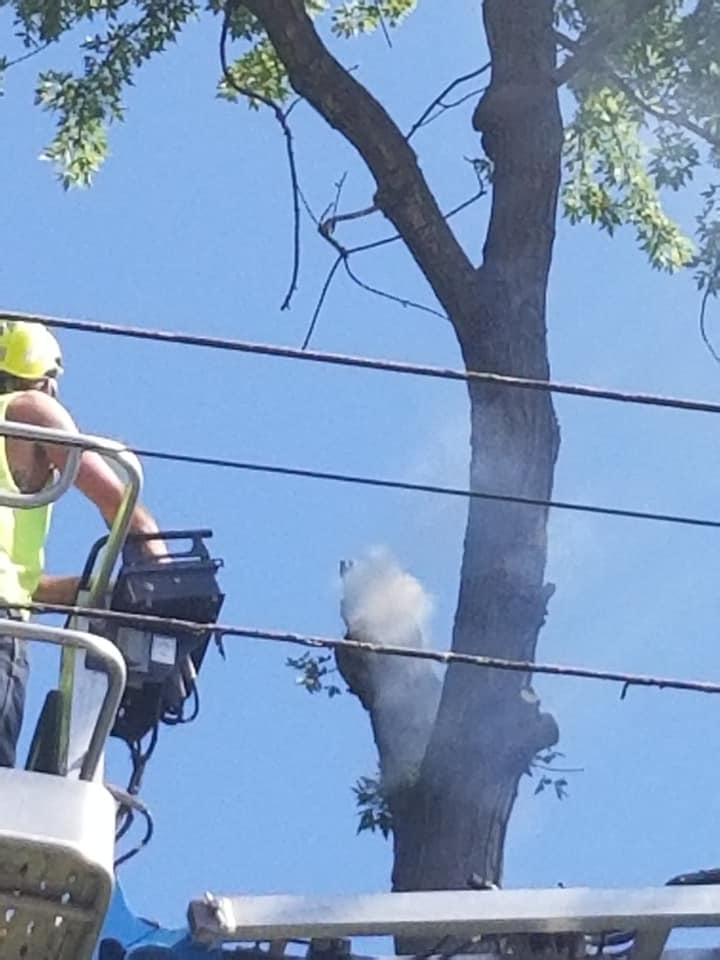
point(28, 350)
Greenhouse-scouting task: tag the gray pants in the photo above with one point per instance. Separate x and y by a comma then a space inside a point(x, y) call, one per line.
point(14, 673)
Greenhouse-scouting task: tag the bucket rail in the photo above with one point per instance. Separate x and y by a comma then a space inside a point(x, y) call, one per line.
point(80, 691)
point(64, 479)
point(81, 694)
point(109, 660)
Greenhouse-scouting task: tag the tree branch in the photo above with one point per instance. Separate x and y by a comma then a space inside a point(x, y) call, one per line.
point(402, 192)
point(438, 101)
point(281, 118)
point(328, 224)
point(677, 117)
point(598, 41)
point(28, 55)
point(401, 698)
point(345, 253)
point(400, 694)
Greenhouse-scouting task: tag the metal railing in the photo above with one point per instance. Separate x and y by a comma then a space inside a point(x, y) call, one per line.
point(129, 466)
point(106, 655)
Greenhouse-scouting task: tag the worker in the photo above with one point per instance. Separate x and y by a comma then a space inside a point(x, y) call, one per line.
point(30, 366)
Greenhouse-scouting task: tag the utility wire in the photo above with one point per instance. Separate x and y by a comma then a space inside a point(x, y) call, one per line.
point(397, 367)
point(368, 363)
point(387, 483)
point(406, 485)
point(171, 624)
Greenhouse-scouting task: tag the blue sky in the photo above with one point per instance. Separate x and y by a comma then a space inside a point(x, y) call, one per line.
point(188, 228)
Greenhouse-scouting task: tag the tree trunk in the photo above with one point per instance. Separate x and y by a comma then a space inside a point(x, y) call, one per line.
point(450, 819)
point(489, 726)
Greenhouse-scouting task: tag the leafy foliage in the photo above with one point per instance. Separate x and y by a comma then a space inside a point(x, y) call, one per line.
point(614, 180)
point(543, 762)
point(362, 16)
point(559, 785)
point(87, 104)
point(128, 33)
point(313, 672)
point(707, 262)
point(258, 70)
point(646, 114)
point(373, 810)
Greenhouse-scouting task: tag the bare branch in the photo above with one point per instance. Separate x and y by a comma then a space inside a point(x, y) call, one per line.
point(384, 28)
point(443, 107)
point(598, 41)
point(402, 192)
point(384, 241)
point(402, 301)
point(28, 55)
point(345, 253)
point(328, 224)
point(321, 300)
point(281, 118)
point(703, 325)
point(423, 119)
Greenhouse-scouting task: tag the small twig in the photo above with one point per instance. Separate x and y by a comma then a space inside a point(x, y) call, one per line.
point(443, 107)
point(308, 209)
point(330, 211)
point(460, 100)
point(384, 27)
point(552, 769)
point(402, 301)
point(292, 105)
point(28, 55)
point(328, 224)
point(281, 118)
point(321, 301)
point(384, 241)
point(703, 328)
point(422, 119)
point(338, 193)
point(345, 253)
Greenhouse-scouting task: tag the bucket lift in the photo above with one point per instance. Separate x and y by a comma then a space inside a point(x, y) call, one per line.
point(57, 832)
point(57, 820)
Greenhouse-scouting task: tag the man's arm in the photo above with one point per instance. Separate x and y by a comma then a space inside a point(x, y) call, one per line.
point(61, 590)
point(94, 479)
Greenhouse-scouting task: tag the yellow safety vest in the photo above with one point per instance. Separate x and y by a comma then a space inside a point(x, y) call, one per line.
point(22, 535)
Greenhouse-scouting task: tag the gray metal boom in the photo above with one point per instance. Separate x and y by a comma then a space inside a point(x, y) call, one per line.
point(652, 912)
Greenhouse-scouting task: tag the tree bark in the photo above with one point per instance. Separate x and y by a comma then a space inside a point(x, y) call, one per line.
point(489, 727)
point(450, 821)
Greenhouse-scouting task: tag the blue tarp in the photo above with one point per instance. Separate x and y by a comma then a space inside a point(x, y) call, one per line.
point(128, 937)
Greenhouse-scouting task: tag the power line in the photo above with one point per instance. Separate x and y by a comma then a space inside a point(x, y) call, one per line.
point(362, 646)
point(368, 363)
point(406, 485)
point(386, 483)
